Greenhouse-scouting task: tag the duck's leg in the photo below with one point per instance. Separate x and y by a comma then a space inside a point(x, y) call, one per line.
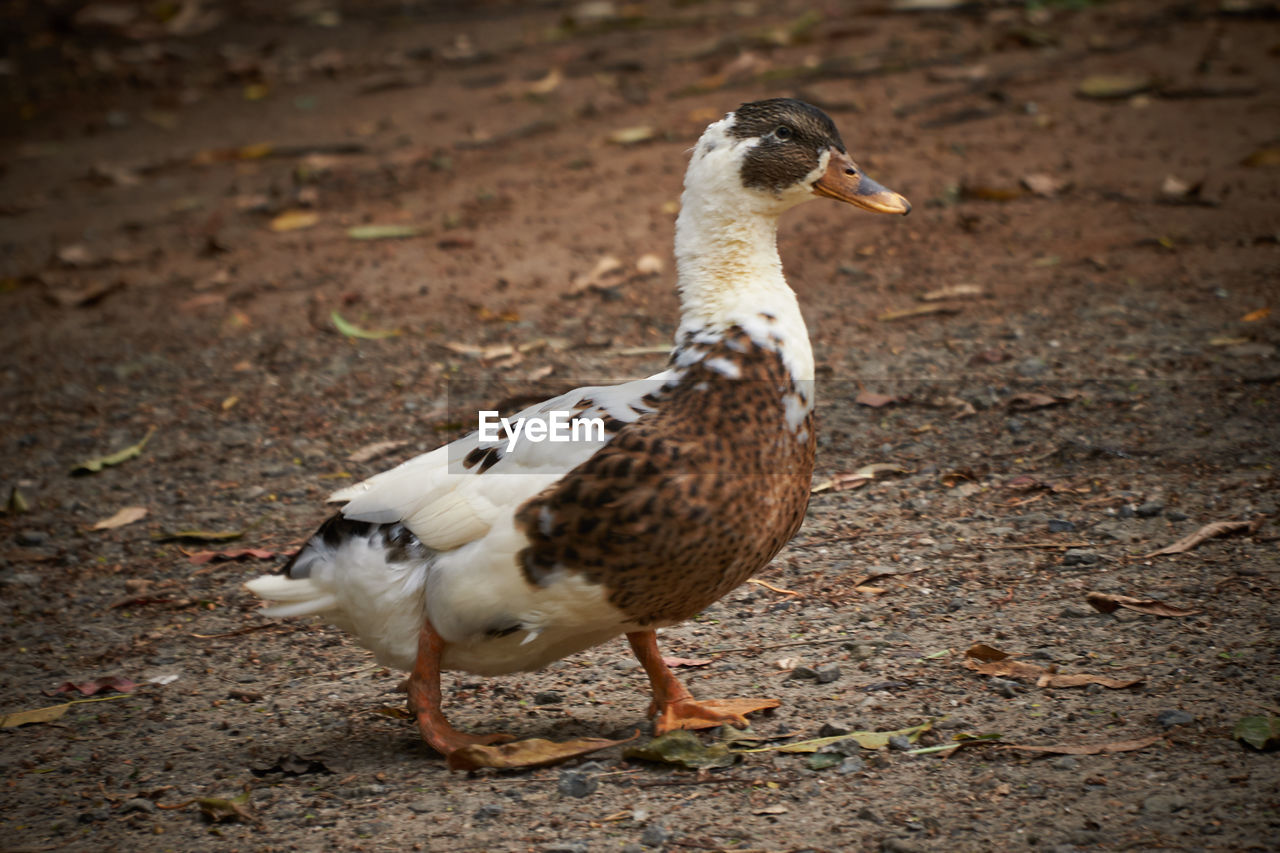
point(674, 704)
point(424, 698)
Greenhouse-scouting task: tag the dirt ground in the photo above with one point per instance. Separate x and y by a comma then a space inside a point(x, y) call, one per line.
point(178, 191)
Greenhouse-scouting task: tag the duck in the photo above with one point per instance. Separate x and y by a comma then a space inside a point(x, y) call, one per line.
point(501, 553)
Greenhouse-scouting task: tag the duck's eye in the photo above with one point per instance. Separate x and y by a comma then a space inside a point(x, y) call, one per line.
point(783, 132)
point(850, 171)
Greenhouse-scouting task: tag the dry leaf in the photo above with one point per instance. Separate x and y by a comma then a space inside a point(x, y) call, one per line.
point(874, 400)
point(49, 714)
point(919, 311)
point(686, 661)
point(384, 232)
point(986, 660)
point(127, 515)
point(682, 749)
point(1266, 156)
point(1209, 531)
point(1107, 603)
point(858, 479)
point(294, 220)
point(955, 291)
point(983, 192)
point(631, 135)
point(202, 557)
point(88, 688)
point(547, 84)
point(1035, 400)
point(1255, 316)
point(89, 295)
point(1114, 86)
point(535, 752)
point(771, 810)
point(93, 466)
point(1045, 185)
point(198, 535)
point(370, 452)
point(1091, 749)
point(649, 264)
point(1007, 668)
point(866, 740)
point(983, 652)
point(606, 274)
point(351, 330)
point(1058, 679)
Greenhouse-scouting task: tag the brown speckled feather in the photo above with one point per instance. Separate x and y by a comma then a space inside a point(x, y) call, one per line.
point(688, 501)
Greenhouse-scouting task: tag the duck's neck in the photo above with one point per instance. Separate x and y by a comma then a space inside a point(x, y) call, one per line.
point(729, 274)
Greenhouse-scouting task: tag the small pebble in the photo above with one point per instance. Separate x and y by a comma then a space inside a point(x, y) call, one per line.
point(833, 729)
point(1174, 717)
point(567, 847)
point(852, 764)
point(138, 804)
point(1007, 689)
point(30, 538)
point(575, 783)
point(803, 671)
point(655, 835)
point(488, 811)
point(901, 743)
point(1061, 525)
point(1150, 509)
point(547, 697)
point(1080, 557)
point(1073, 612)
point(1175, 515)
point(900, 845)
point(1163, 804)
point(1065, 762)
point(1125, 511)
point(865, 813)
point(827, 673)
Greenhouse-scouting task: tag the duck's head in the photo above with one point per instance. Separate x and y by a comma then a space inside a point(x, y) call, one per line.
point(771, 155)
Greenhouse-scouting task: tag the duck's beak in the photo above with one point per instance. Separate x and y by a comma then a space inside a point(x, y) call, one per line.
point(844, 181)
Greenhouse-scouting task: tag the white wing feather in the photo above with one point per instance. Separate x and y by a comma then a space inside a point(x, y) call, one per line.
point(447, 505)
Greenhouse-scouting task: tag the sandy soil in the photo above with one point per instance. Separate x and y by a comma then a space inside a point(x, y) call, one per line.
point(1111, 389)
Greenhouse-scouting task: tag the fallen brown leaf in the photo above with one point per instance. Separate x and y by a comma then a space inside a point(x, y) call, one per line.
point(534, 752)
point(1044, 185)
point(857, 479)
point(986, 660)
point(874, 400)
point(1090, 749)
point(919, 311)
point(1108, 603)
point(1007, 668)
point(955, 291)
point(202, 557)
point(1209, 531)
point(127, 515)
point(372, 451)
point(1035, 400)
point(88, 688)
point(983, 652)
point(294, 220)
point(1059, 679)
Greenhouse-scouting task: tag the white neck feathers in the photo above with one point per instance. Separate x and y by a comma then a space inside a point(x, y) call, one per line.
point(727, 265)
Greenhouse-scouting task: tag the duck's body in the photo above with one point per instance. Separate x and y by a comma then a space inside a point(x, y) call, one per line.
point(493, 558)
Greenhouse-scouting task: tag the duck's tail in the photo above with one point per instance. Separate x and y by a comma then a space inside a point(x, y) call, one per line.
point(366, 578)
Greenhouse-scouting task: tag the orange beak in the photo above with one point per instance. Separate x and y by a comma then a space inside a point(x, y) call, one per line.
point(844, 181)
